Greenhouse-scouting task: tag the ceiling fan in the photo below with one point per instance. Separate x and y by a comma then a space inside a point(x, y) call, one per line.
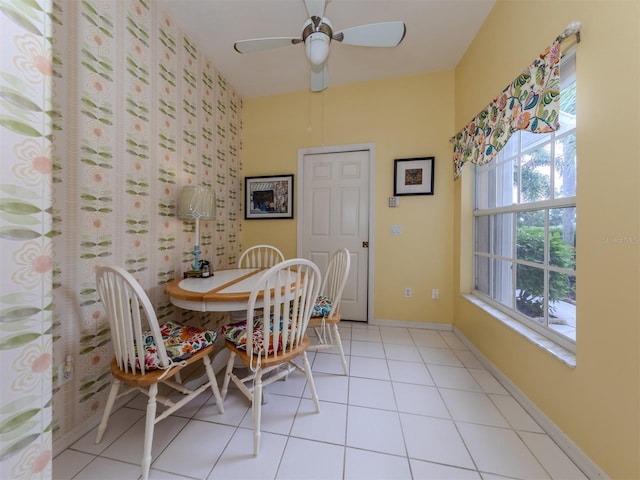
point(317, 34)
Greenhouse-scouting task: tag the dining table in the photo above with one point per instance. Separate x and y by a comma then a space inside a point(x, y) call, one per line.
point(224, 291)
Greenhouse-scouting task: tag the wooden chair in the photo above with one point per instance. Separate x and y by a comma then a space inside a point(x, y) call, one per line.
point(325, 324)
point(279, 309)
point(147, 354)
point(265, 256)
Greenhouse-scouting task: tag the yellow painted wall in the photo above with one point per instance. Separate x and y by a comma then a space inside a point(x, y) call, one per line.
point(597, 404)
point(406, 117)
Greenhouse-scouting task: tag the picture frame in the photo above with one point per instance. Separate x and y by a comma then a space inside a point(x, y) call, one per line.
point(268, 197)
point(413, 176)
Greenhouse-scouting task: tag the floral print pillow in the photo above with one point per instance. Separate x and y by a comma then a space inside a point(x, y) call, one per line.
point(236, 333)
point(322, 307)
point(180, 342)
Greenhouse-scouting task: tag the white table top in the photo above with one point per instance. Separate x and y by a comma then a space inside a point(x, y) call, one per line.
point(225, 291)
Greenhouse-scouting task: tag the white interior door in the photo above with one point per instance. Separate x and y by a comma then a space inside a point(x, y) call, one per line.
point(334, 212)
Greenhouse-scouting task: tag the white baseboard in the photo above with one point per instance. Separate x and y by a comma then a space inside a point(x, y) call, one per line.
point(582, 461)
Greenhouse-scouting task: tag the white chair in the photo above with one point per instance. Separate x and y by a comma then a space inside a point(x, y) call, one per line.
point(264, 256)
point(146, 353)
point(280, 306)
point(326, 325)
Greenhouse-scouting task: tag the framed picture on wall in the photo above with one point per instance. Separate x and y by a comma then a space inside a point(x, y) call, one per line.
point(268, 197)
point(413, 176)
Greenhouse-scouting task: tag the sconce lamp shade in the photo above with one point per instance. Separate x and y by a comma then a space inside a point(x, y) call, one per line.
point(196, 201)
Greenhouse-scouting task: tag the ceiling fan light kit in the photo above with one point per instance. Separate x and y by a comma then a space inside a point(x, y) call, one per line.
point(317, 48)
point(317, 34)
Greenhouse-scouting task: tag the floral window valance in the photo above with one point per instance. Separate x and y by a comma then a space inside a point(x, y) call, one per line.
point(531, 102)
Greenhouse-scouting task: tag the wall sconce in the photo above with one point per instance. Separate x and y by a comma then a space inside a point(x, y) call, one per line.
point(196, 202)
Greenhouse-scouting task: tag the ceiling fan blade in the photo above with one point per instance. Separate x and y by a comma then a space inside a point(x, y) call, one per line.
point(386, 34)
point(315, 8)
point(261, 44)
point(319, 77)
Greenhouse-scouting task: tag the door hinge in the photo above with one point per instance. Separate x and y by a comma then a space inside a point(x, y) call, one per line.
point(365, 244)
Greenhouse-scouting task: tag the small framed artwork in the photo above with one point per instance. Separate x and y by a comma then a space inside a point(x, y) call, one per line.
point(268, 197)
point(413, 176)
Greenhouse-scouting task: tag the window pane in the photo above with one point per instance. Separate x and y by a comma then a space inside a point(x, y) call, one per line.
point(511, 148)
point(482, 187)
point(482, 234)
point(503, 235)
point(516, 182)
point(485, 186)
point(565, 166)
point(530, 291)
point(491, 187)
point(562, 304)
point(482, 274)
point(530, 236)
point(530, 139)
point(535, 174)
point(562, 237)
point(503, 282)
point(505, 187)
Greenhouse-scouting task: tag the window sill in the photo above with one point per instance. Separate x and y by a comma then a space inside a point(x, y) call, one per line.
point(562, 354)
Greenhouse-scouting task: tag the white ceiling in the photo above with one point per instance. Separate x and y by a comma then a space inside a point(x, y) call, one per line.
point(438, 34)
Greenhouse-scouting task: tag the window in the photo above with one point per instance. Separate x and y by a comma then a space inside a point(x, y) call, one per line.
point(525, 224)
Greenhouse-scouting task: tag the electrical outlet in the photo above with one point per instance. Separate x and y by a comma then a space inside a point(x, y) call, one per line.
point(65, 373)
point(435, 294)
point(407, 292)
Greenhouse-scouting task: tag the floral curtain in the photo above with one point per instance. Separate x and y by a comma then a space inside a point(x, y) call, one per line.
point(531, 102)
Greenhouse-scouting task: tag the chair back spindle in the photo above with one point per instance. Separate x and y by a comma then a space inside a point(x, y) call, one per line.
point(260, 256)
point(130, 313)
point(287, 292)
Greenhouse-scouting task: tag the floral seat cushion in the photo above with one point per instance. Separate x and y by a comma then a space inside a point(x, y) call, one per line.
point(180, 342)
point(236, 333)
point(322, 306)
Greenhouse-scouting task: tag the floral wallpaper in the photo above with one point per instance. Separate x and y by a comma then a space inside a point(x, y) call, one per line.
point(108, 108)
point(26, 126)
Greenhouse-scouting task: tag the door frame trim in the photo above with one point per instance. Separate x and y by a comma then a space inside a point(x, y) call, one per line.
point(371, 148)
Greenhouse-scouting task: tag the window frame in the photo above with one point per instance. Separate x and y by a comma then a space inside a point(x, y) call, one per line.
point(491, 212)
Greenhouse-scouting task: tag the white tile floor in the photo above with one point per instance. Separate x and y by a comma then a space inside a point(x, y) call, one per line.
point(416, 405)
